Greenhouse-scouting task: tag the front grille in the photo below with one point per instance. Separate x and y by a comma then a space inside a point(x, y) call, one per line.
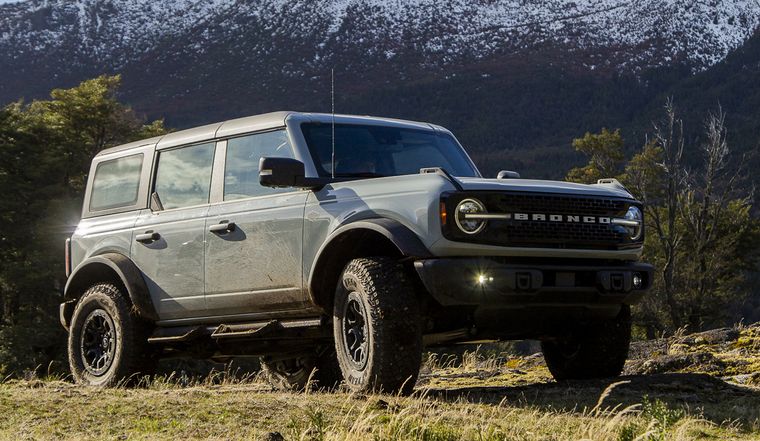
point(556, 204)
point(545, 234)
point(528, 232)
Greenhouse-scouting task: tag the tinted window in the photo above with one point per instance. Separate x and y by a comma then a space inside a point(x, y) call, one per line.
point(116, 183)
point(241, 171)
point(184, 176)
point(364, 150)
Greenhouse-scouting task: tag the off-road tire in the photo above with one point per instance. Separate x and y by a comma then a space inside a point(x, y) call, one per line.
point(309, 372)
point(380, 288)
point(132, 358)
point(596, 350)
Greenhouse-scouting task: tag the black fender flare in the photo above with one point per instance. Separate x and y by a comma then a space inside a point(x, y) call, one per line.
point(97, 269)
point(404, 239)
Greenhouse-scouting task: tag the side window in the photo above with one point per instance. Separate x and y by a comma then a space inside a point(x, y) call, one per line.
point(184, 176)
point(116, 183)
point(241, 170)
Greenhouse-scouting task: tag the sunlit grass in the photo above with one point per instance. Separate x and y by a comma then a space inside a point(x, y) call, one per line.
point(232, 407)
point(485, 393)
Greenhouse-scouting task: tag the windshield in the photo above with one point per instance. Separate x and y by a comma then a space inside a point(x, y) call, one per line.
point(366, 150)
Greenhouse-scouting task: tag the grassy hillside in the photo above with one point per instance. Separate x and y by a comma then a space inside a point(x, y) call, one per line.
point(700, 386)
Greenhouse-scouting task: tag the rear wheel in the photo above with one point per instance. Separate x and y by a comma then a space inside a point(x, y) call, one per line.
point(376, 324)
point(108, 343)
point(596, 350)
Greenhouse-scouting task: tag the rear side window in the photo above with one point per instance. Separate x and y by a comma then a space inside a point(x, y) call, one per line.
point(241, 169)
point(116, 183)
point(183, 178)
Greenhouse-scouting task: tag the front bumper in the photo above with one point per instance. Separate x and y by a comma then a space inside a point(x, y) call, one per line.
point(496, 283)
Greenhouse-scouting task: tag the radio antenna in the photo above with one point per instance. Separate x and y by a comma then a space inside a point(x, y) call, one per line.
point(332, 99)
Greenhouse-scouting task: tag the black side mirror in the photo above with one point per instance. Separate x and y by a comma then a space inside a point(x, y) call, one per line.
point(286, 172)
point(508, 174)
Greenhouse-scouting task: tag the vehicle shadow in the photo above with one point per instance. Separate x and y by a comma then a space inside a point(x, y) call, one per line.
point(700, 394)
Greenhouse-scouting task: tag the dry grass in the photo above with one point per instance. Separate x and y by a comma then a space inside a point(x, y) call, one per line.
point(483, 394)
point(58, 410)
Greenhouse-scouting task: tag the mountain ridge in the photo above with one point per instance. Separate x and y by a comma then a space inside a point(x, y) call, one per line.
point(698, 33)
point(516, 80)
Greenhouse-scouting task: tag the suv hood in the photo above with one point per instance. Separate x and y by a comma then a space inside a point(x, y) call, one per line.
point(541, 186)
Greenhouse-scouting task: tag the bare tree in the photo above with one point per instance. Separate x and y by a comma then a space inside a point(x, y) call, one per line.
point(701, 235)
point(712, 229)
point(668, 135)
point(699, 223)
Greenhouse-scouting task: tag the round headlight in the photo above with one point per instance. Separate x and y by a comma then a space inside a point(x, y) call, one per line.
point(636, 226)
point(464, 211)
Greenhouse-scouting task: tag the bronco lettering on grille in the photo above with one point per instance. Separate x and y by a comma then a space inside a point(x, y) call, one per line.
point(560, 218)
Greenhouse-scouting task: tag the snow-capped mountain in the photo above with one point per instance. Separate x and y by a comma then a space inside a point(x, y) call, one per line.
point(516, 79)
point(627, 35)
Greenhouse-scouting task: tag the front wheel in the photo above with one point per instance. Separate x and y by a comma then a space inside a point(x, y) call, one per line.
point(108, 343)
point(376, 324)
point(596, 350)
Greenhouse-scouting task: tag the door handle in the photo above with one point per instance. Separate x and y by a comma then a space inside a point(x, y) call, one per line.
point(223, 227)
point(148, 237)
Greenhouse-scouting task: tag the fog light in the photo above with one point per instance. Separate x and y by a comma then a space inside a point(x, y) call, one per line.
point(638, 282)
point(483, 279)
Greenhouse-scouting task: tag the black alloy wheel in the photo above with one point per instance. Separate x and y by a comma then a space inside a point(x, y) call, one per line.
point(355, 333)
point(98, 342)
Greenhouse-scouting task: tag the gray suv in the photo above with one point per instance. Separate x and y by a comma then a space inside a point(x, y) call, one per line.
point(336, 248)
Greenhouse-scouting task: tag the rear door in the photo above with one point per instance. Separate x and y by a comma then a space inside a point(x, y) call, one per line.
point(167, 244)
point(254, 235)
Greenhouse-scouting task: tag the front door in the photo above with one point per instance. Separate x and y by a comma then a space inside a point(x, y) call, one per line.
point(167, 244)
point(254, 237)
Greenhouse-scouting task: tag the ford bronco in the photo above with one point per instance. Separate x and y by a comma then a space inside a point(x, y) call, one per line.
point(336, 248)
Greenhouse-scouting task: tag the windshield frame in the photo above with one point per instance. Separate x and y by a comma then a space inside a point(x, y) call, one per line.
point(322, 173)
